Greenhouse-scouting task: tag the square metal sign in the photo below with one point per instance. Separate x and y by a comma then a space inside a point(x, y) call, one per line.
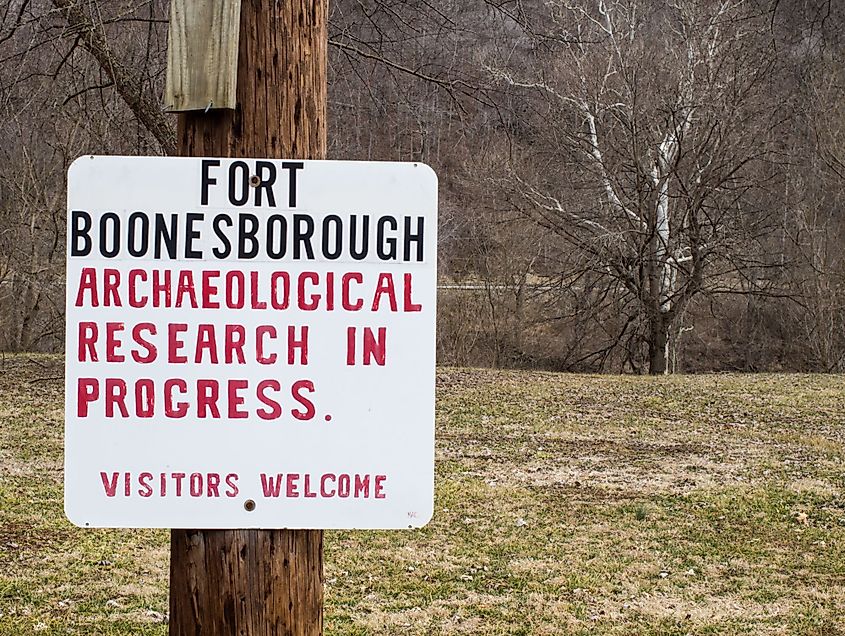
point(250, 343)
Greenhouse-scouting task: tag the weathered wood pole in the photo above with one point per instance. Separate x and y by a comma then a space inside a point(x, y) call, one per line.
point(251, 582)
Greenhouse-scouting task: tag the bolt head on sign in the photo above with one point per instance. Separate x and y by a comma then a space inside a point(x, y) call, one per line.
point(250, 343)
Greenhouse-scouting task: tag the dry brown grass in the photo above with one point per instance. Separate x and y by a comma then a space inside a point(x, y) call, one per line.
point(565, 505)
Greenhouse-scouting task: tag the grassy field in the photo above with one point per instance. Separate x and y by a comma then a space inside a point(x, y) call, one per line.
point(565, 504)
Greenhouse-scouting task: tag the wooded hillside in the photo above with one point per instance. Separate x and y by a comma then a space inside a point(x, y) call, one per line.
point(626, 185)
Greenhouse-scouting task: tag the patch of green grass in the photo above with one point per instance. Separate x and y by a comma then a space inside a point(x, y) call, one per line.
point(564, 505)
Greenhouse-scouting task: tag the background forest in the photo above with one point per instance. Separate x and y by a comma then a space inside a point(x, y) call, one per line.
point(626, 185)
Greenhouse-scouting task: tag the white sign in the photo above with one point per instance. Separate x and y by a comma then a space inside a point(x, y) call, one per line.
point(250, 343)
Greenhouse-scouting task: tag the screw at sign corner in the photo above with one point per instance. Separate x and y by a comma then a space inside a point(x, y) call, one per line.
point(249, 505)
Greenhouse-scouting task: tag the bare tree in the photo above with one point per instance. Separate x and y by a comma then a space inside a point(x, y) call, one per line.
point(653, 123)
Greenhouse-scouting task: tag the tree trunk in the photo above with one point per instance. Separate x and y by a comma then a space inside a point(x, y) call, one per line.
point(250, 582)
point(658, 346)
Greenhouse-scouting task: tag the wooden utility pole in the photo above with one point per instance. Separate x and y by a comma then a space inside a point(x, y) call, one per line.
point(251, 582)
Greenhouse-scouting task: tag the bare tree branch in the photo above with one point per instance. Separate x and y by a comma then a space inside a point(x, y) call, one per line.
point(127, 84)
